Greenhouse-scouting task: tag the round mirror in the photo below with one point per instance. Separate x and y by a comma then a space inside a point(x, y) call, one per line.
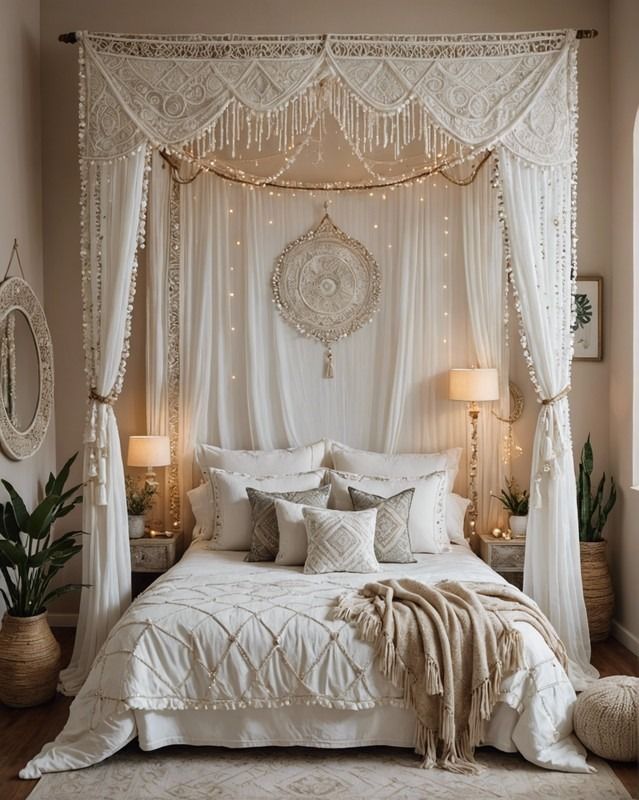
point(20, 370)
point(26, 370)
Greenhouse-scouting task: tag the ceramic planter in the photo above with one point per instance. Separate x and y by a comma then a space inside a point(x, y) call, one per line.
point(517, 525)
point(136, 526)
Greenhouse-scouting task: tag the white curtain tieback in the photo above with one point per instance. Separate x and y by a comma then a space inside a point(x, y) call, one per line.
point(549, 401)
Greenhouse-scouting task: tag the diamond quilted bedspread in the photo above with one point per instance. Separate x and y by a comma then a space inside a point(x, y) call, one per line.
point(218, 633)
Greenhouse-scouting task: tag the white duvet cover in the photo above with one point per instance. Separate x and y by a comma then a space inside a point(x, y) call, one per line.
point(223, 652)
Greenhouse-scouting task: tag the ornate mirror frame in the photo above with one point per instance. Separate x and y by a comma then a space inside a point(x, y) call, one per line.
point(17, 295)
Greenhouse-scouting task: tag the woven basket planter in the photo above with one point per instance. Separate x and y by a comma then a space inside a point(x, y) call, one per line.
point(29, 661)
point(597, 586)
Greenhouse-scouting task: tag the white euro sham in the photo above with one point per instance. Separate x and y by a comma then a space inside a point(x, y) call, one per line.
point(427, 520)
point(285, 461)
point(201, 501)
point(233, 522)
point(395, 465)
point(456, 508)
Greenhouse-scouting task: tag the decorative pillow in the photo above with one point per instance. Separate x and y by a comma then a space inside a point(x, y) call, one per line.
point(202, 506)
point(261, 462)
point(427, 520)
point(340, 541)
point(400, 465)
point(266, 536)
point(293, 542)
point(232, 524)
point(456, 508)
point(392, 542)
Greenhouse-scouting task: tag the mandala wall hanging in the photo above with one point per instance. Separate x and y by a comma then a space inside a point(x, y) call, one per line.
point(326, 285)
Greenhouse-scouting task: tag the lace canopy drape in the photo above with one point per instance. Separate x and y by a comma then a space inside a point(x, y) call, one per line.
point(451, 97)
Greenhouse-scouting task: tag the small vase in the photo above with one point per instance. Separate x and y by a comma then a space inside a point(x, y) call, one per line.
point(29, 661)
point(518, 525)
point(136, 526)
point(597, 586)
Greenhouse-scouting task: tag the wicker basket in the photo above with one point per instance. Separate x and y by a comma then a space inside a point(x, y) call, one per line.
point(598, 594)
point(29, 661)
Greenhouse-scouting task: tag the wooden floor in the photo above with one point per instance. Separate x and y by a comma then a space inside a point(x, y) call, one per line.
point(24, 731)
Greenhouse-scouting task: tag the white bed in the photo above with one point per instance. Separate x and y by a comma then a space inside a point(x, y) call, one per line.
point(223, 652)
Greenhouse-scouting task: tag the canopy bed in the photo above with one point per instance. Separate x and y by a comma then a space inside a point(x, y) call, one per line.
point(453, 183)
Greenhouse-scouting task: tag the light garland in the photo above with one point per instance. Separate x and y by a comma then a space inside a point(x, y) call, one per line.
point(229, 172)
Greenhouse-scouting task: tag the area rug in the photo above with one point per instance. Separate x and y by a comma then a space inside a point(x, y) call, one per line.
point(374, 773)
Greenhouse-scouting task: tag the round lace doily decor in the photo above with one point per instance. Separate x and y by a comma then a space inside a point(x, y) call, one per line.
point(326, 284)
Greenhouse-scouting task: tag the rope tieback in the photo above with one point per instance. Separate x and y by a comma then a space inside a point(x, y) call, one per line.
point(107, 400)
point(549, 401)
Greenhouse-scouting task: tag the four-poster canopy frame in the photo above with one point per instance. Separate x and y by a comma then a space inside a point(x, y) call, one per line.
point(520, 99)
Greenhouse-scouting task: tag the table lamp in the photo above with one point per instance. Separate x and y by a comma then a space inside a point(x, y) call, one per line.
point(473, 386)
point(149, 452)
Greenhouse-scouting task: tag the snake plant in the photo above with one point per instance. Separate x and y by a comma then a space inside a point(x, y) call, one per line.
point(592, 510)
point(29, 558)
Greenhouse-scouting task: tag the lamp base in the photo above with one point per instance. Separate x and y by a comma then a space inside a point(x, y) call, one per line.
point(473, 511)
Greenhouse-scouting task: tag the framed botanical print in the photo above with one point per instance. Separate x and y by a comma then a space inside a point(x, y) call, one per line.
point(588, 325)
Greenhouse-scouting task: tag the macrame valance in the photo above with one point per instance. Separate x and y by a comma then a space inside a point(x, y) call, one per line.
point(210, 92)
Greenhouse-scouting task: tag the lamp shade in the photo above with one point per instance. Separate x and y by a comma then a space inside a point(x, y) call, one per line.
point(473, 385)
point(149, 451)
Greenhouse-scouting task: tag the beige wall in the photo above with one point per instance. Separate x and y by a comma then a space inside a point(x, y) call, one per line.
point(590, 396)
point(21, 187)
point(624, 530)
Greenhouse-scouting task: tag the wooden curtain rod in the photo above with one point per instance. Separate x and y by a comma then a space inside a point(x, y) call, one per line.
point(582, 33)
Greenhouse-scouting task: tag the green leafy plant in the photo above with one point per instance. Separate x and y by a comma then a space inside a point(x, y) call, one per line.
point(29, 558)
point(583, 311)
point(591, 510)
point(139, 499)
point(513, 498)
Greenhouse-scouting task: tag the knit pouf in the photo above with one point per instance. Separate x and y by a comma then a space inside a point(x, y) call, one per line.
point(607, 716)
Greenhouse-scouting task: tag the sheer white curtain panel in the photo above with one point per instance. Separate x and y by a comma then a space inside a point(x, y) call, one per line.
point(250, 380)
point(111, 231)
point(485, 279)
point(538, 208)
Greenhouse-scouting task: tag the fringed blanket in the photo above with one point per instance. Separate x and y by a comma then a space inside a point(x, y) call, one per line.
point(446, 647)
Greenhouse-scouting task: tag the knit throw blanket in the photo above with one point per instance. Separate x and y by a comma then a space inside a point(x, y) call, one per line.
point(447, 647)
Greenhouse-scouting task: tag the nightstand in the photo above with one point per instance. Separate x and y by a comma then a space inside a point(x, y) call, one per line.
point(505, 556)
point(153, 555)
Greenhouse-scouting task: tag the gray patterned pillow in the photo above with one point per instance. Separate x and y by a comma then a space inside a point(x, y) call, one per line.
point(265, 540)
point(392, 542)
point(340, 541)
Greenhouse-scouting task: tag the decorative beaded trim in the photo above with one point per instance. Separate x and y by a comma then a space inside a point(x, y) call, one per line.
point(173, 353)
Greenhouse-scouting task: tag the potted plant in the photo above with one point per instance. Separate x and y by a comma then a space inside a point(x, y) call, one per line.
point(593, 513)
point(515, 500)
point(139, 499)
point(29, 560)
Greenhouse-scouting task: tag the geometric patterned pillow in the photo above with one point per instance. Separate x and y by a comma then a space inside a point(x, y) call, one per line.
point(340, 541)
point(265, 541)
point(392, 542)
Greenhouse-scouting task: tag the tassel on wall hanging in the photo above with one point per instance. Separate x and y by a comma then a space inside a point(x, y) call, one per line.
point(327, 286)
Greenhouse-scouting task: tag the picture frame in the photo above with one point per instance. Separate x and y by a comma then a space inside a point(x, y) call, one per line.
point(588, 326)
